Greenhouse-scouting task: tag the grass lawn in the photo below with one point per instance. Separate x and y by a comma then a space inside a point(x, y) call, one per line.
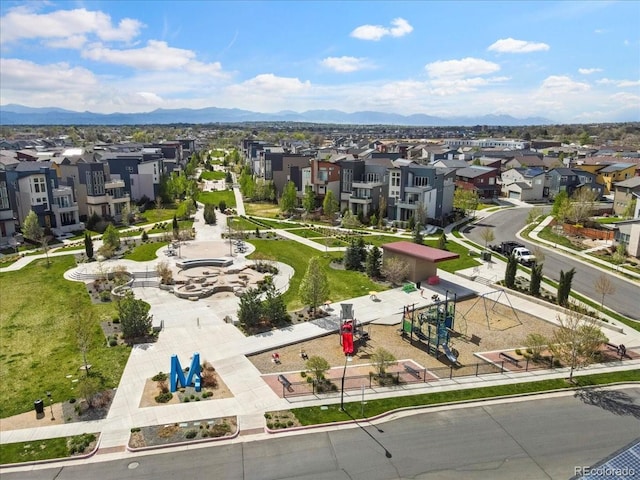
point(269, 210)
point(38, 347)
point(182, 224)
point(332, 413)
point(304, 232)
point(155, 215)
point(329, 241)
point(216, 197)
point(277, 224)
point(145, 252)
point(343, 284)
point(215, 175)
point(608, 220)
point(451, 266)
point(39, 449)
point(379, 240)
point(547, 233)
point(240, 223)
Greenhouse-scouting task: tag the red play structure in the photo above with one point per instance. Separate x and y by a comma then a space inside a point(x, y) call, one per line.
point(347, 337)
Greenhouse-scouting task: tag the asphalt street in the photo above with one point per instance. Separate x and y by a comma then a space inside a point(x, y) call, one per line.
point(505, 224)
point(541, 438)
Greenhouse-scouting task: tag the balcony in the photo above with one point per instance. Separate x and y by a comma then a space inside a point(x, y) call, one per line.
point(368, 185)
point(362, 200)
point(111, 184)
point(407, 205)
point(426, 188)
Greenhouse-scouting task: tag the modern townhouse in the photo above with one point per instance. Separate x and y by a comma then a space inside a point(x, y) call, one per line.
point(614, 173)
point(7, 222)
point(624, 193)
point(322, 176)
point(525, 184)
point(482, 180)
point(140, 171)
point(412, 184)
point(363, 183)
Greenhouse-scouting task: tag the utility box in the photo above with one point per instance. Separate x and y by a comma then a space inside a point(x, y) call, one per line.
point(486, 256)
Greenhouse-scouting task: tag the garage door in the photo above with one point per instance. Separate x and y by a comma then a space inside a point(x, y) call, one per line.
point(515, 195)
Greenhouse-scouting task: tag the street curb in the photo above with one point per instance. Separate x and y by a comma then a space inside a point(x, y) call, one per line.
point(55, 460)
point(438, 405)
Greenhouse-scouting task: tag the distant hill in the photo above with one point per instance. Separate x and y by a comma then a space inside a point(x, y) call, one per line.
point(20, 115)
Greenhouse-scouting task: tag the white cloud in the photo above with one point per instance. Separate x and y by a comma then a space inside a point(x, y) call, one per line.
point(400, 27)
point(268, 83)
point(21, 23)
point(23, 75)
point(562, 84)
point(618, 83)
point(589, 71)
point(345, 64)
point(511, 45)
point(465, 67)
point(74, 42)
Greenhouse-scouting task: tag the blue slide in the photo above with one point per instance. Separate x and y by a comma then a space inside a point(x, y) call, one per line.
point(449, 354)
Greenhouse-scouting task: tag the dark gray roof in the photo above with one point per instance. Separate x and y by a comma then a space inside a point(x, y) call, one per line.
point(32, 166)
point(474, 171)
point(615, 167)
point(632, 182)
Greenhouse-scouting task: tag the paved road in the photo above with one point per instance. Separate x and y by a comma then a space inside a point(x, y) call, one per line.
point(542, 438)
point(506, 223)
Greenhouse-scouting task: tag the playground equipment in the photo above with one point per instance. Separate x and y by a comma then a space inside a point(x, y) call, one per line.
point(350, 332)
point(433, 326)
point(493, 297)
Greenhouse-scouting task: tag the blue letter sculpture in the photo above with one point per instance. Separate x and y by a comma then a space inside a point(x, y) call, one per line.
point(177, 375)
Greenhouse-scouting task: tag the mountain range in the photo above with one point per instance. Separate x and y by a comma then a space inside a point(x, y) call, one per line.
point(13, 114)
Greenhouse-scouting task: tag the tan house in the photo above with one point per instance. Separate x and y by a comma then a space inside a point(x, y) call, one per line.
point(623, 193)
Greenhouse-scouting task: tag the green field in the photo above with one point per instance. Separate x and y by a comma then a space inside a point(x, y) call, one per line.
point(216, 175)
point(155, 215)
point(269, 210)
point(343, 284)
point(277, 224)
point(36, 450)
point(304, 232)
point(38, 348)
point(240, 223)
point(145, 252)
point(216, 197)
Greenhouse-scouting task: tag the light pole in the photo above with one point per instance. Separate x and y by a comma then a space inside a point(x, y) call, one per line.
point(344, 373)
point(51, 405)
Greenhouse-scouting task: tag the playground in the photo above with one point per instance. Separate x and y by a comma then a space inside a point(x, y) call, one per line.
point(476, 330)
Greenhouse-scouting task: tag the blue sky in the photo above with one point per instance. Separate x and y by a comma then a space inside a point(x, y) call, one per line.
point(566, 61)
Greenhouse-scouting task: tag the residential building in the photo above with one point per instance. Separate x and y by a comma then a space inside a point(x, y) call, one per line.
point(30, 187)
point(7, 223)
point(625, 192)
point(487, 143)
point(482, 180)
point(525, 184)
point(364, 183)
point(616, 172)
point(569, 180)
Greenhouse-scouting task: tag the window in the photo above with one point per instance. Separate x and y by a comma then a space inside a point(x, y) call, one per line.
point(348, 180)
point(129, 169)
point(38, 185)
point(395, 179)
point(421, 181)
point(4, 196)
point(373, 177)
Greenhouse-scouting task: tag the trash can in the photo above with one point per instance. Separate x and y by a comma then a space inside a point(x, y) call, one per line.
point(38, 405)
point(486, 256)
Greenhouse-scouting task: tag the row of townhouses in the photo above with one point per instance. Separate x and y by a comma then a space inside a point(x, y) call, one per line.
point(66, 187)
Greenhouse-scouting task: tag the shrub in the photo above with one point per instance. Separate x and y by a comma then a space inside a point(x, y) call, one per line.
point(105, 296)
point(159, 377)
point(113, 342)
point(135, 429)
point(72, 400)
point(518, 351)
point(164, 397)
point(191, 434)
point(186, 400)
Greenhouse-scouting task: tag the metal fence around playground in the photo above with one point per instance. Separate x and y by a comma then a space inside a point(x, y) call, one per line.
point(408, 375)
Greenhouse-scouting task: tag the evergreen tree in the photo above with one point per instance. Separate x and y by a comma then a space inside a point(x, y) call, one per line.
point(564, 286)
point(134, 316)
point(442, 241)
point(88, 245)
point(351, 257)
point(210, 214)
point(174, 224)
point(309, 199)
point(274, 308)
point(510, 272)
point(250, 309)
point(536, 279)
point(361, 249)
point(411, 225)
point(374, 262)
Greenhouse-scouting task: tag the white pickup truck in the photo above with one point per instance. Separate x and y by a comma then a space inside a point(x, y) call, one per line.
point(524, 256)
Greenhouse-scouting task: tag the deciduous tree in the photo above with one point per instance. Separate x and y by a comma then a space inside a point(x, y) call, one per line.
point(288, 199)
point(395, 270)
point(465, 200)
point(309, 199)
point(577, 342)
point(33, 231)
point(111, 237)
point(314, 287)
point(604, 286)
point(329, 205)
point(487, 235)
point(317, 366)
point(382, 359)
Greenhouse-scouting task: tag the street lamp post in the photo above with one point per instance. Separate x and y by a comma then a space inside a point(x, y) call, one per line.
point(344, 373)
point(51, 405)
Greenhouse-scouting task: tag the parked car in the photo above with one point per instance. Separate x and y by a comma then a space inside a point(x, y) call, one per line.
point(518, 250)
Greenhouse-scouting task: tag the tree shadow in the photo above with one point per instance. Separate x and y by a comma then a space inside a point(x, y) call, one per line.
point(614, 401)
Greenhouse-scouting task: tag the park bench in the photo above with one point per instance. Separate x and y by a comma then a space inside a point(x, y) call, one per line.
point(285, 382)
point(612, 346)
point(510, 359)
point(409, 369)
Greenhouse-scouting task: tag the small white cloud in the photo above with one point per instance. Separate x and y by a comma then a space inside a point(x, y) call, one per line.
point(563, 84)
point(400, 27)
point(511, 45)
point(618, 83)
point(466, 67)
point(344, 64)
point(588, 71)
point(599, 31)
point(269, 83)
point(146, 98)
point(74, 42)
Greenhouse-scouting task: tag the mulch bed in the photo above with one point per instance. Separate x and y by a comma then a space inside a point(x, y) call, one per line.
point(80, 411)
point(184, 432)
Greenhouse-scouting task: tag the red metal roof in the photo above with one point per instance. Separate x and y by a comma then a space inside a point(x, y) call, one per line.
point(422, 252)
